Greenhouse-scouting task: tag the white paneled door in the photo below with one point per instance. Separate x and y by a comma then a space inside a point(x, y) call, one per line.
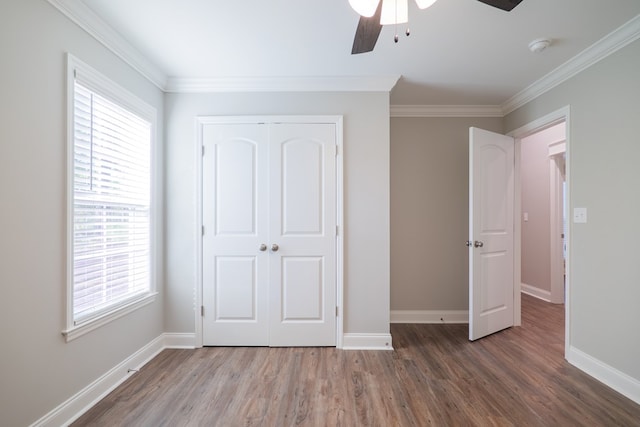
point(491, 232)
point(269, 243)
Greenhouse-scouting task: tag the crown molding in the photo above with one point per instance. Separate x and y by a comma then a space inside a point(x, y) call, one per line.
point(446, 111)
point(86, 19)
point(609, 44)
point(282, 84)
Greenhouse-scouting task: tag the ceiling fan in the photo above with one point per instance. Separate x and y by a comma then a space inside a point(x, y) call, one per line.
point(376, 13)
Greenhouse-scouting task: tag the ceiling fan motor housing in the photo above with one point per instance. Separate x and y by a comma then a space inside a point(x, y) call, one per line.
point(506, 5)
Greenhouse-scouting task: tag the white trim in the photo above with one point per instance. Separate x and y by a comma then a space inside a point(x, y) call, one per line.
point(517, 234)
point(105, 86)
point(333, 119)
point(542, 294)
point(99, 83)
point(282, 84)
point(446, 111)
point(430, 316)
point(198, 284)
point(267, 119)
point(543, 123)
point(79, 330)
point(82, 15)
point(71, 409)
point(179, 340)
point(367, 342)
point(617, 380)
point(609, 44)
point(558, 147)
point(556, 229)
point(340, 232)
point(89, 21)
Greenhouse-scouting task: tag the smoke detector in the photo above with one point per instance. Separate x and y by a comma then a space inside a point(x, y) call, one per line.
point(538, 45)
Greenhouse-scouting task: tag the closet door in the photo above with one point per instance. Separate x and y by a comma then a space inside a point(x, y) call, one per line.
point(302, 223)
point(235, 218)
point(269, 243)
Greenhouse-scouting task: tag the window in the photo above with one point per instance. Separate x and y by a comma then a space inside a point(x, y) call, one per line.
point(110, 201)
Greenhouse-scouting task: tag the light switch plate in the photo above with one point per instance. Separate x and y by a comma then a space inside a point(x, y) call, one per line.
point(579, 215)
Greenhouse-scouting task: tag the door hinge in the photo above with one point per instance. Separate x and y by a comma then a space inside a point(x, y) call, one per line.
point(337, 311)
point(202, 310)
point(337, 230)
point(203, 230)
point(203, 150)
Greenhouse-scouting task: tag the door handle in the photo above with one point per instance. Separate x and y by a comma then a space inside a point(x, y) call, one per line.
point(275, 247)
point(468, 243)
point(478, 244)
point(263, 247)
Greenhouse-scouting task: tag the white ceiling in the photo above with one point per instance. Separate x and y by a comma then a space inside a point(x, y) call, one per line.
point(460, 52)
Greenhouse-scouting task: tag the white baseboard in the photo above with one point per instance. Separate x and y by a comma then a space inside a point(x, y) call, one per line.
point(175, 340)
point(535, 292)
point(78, 404)
point(429, 316)
point(619, 381)
point(366, 342)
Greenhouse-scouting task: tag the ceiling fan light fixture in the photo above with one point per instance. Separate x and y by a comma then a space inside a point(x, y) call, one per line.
point(423, 4)
point(366, 8)
point(394, 12)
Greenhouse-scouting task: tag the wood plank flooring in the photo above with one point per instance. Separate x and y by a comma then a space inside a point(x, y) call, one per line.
point(435, 377)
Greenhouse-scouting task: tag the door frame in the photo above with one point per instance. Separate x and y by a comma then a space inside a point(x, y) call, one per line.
point(200, 122)
point(556, 210)
point(551, 119)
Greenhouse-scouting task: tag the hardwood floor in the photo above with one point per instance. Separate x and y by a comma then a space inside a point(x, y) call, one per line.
point(435, 376)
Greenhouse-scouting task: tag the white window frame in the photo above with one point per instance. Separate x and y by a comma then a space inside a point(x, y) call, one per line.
point(99, 84)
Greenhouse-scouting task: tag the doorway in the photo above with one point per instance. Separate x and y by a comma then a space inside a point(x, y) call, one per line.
point(542, 160)
point(559, 116)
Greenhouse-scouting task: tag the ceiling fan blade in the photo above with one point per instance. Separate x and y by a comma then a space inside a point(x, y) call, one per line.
point(367, 32)
point(507, 5)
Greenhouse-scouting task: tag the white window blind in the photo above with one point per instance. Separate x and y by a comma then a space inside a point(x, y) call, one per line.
point(111, 205)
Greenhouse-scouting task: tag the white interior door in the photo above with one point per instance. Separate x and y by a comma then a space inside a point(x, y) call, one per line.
point(491, 232)
point(269, 243)
point(235, 202)
point(303, 226)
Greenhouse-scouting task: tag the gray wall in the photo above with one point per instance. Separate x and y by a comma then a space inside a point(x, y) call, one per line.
point(430, 211)
point(38, 369)
point(366, 196)
point(603, 177)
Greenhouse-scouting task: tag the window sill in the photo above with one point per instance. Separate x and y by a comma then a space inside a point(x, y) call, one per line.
point(76, 331)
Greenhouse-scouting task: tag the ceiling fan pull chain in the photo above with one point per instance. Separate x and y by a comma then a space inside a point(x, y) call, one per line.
point(407, 32)
point(395, 38)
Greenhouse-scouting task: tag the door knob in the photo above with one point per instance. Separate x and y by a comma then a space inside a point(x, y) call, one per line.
point(468, 243)
point(275, 247)
point(263, 247)
point(478, 244)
